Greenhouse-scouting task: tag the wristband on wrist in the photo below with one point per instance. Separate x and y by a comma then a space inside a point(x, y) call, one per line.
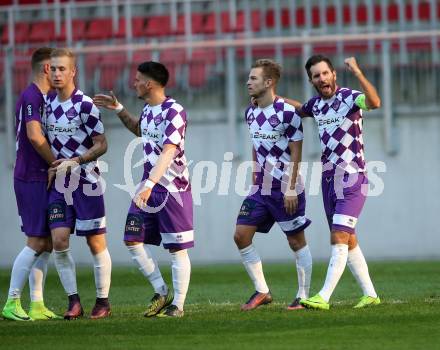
point(119, 108)
point(81, 160)
point(149, 184)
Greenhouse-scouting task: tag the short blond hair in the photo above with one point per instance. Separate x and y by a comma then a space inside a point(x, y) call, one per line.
point(64, 53)
point(271, 69)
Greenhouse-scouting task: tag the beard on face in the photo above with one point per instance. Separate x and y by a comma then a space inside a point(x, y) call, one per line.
point(330, 89)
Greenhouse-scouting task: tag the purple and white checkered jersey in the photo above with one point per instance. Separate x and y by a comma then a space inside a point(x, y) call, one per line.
point(339, 120)
point(160, 125)
point(271, 129)
point(70, 126)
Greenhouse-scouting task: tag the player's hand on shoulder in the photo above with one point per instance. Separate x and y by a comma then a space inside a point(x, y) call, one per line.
point(352, 65)
point(106, 101)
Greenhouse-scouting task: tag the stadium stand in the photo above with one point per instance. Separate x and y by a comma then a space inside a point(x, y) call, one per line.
point(151, 22)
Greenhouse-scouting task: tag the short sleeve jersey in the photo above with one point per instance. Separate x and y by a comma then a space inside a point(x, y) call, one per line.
point(160, 125)
point(271, 129)
point(339, 121)
point(29, 165)
point(70, 126)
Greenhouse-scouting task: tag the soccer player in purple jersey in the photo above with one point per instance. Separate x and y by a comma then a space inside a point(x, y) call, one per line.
point(76, 136)
point(30, 184)
point(162, 210)
point(276, 133)
point(338, 114)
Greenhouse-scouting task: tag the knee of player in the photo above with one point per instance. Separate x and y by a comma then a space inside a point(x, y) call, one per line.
point(296, 242)
point(60, 243)
point(96, 243)
point(241, 238)
point(130, 244)
point(39, 244)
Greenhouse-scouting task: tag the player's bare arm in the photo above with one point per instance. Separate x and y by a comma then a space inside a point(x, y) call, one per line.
point(98, 149)
point(111, 102)
point(35, 134)
point(163, 163)
point(372, 99)
point(297, 105)
point(291, 197)
point(254, 166)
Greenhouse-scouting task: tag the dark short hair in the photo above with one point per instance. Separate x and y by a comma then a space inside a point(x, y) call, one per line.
point(39, 56)
point(315, 59)
point(271, 69)
point(156, 71)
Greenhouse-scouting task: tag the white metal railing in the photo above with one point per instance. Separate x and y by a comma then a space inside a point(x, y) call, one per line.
point(231, 72)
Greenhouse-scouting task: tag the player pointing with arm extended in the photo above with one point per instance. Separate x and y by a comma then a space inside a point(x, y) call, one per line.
point(162, 209)
point(276, 134)
point(338, 114)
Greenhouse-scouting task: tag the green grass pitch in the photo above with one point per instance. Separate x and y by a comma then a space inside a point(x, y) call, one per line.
point(408, 318)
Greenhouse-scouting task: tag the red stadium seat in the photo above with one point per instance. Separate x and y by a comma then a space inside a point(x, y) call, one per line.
point(424, 11)
point(356, 47)
point(176, 56)
point(172, 79)
point(393, 12)
point(377, 13)
point(263, 52)
point(137, 27)
point(209, 25)
point(197, 74)
point(325, 48)
point(300, 17)
point(21, 33)
point(111, 68)
point(78, 30)
point(227, 25)
point(346, 15)
point(21, 74)
point(99, 29)
point(206, 55)
point(362, 14)
point(330, 15)
point(42, 32)
point(92, 61)
point(158, 26)
point(196, 24)
point(316, 20)
point(137, 58)
point(292, 50)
